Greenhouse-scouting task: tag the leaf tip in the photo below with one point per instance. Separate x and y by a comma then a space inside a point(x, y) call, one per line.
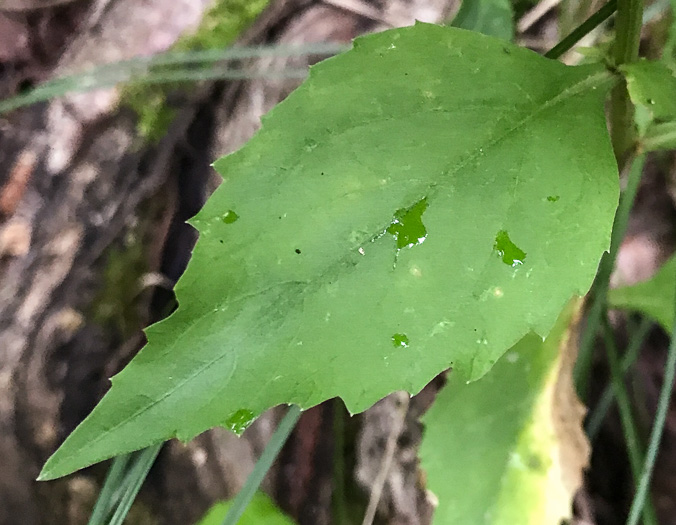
point(49, 473)
point(43, 476)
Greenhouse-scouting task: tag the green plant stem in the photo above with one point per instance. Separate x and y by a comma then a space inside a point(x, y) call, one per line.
point(105, 501)
point(594, 316)
point(623, 132)
point(606, 401)
point(136, 476)
point(627, 39)
point(262, 466)
point(626, 417)
point(656, 434)
point(600, 288)
point(627, 31)
point(582, 30)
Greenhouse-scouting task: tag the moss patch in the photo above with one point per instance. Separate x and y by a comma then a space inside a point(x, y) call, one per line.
point(120, 307)
point(220, 26)
point(115, 306)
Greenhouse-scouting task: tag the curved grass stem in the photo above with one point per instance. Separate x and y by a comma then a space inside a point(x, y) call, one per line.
point(634, 448)
point(136, 477)
point(583, 30)
point(597, 417)
point(107, 500)
point(641, 495)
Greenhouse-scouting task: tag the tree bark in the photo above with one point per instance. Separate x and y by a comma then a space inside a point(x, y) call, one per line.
point(93, 236)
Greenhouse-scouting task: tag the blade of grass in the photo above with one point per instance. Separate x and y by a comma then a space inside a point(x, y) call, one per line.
point(142, 69)
point(262, 466)
point(215, 74)
point(608, 396)
point(58, 89)
point(244, 52)
point(641, 496)
point(106, 499)
point(582, 30)
point(135, 479)
point(626, 416)
point(600, 287)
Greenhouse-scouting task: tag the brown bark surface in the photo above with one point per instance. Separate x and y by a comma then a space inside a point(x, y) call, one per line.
point(80, 191)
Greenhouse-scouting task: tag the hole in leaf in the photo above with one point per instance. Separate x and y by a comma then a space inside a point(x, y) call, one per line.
point(229, 217)
point(511, 254)
point(407, 226)
point(240, 420)
point(400, 340)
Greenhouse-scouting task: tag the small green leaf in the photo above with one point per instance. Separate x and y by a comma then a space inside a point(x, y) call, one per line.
point(495, 451)
point(652, 89)
point(297, 301)
point(654, 298)
point(490, 17)
point(261, 511)
point(653, 86)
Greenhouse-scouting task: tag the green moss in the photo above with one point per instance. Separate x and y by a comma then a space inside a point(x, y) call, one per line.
point(150, 104)
point(221, 24)
point(115, 305)
point(119, 306)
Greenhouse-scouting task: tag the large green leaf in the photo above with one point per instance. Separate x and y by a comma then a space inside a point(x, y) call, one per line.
point(509, 448)
point(654, 297)
point(261, 511)
point(490, 17)
point(652, 88)
point(422, 201)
